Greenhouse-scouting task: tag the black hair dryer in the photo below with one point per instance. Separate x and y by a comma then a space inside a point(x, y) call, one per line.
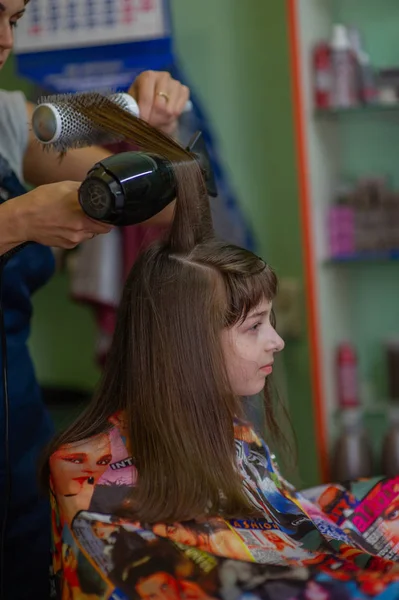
point(131, 187)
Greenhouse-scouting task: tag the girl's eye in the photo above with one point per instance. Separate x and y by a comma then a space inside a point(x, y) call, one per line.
point(255, 327)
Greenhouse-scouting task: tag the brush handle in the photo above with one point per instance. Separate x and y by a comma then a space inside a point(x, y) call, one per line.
point(57, 123)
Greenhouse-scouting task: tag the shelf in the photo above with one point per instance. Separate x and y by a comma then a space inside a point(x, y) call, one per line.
point(365, 257)
point(367, 410)
point(358, 110)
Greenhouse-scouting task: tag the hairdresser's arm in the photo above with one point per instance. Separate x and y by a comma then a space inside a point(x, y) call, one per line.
point(8, 234)
point(49, 215)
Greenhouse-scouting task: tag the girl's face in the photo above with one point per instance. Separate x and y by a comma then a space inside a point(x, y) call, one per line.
point(10, 12)
point(73, 467)
point(249, 349)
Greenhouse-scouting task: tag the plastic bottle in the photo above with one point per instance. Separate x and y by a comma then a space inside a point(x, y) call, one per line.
point(345, 88)
point(368, 84)
point(352, 456)
point(322, 69)
point(367, 89)
point(348, 392)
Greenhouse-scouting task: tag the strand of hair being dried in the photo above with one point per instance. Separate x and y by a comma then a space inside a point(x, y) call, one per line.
point(110, 117)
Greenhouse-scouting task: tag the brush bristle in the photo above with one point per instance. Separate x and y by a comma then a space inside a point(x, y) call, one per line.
point(77, 130)
point(91, 98)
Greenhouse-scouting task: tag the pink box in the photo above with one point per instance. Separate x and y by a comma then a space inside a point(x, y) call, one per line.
point(341, 231)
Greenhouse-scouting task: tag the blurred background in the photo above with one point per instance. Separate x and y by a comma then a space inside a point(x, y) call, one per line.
point(299, 103)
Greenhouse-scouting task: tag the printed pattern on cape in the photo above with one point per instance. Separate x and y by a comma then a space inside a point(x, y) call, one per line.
point(330, 543)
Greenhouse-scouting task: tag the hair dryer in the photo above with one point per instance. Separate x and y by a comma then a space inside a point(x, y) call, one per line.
point(131, 187)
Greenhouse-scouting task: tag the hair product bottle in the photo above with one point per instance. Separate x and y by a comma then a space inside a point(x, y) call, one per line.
point(323, 80)
point(344, 69)
point(366, 79)
point(352, 456)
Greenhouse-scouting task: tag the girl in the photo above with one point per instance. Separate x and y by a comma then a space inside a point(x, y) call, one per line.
point(195, 333)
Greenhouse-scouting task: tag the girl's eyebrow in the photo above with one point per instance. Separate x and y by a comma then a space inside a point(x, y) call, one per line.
point(257, 315)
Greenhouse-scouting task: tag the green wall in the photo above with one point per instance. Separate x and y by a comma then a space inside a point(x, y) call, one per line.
point(235, 53)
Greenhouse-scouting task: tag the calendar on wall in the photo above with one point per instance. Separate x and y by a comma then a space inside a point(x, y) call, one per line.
point(78, 45)
point(61, 24)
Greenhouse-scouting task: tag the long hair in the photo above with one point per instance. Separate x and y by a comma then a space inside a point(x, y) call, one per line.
point(165, 367)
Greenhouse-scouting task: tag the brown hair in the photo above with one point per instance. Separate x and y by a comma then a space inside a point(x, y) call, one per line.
point(165, 367)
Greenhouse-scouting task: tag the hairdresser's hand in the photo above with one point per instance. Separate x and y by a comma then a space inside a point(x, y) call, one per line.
point(161, 99)
point(51, 215)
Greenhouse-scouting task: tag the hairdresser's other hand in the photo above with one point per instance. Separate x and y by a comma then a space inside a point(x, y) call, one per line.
point(161, 99)
point(51, 215)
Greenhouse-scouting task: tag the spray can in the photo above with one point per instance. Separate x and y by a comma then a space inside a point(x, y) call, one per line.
point(344, 70)
point(352, 454)
point(348, 393)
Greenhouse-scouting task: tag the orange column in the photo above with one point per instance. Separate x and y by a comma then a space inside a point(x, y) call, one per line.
point(307, 238)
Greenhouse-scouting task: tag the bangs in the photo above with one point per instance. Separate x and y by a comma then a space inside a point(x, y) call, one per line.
point(244, 292)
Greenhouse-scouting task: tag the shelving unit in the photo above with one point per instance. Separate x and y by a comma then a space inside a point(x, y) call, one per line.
point(355, 297)
point(372, 258)
point(361, 111)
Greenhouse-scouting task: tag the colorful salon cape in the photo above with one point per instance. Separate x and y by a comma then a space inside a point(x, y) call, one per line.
point(331, 543)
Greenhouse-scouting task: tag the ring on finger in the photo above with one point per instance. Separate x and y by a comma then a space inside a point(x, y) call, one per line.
point(164, 95)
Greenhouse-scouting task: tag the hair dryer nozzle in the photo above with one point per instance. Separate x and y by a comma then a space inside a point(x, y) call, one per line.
point(127, 188)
